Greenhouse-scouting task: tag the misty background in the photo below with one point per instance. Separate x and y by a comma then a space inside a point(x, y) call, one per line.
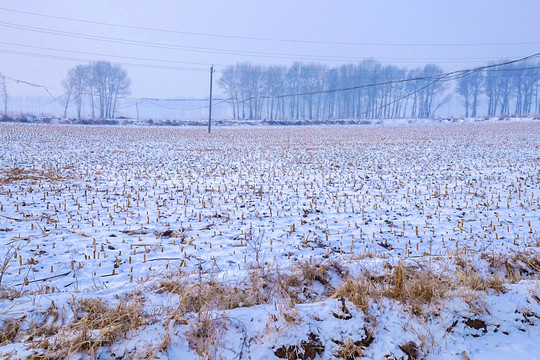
point(262, 52)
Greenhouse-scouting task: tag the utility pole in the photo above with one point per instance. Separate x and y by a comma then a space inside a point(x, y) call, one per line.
point(210, 107)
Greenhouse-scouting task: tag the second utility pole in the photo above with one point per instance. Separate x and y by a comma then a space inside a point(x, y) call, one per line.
point(210, 107)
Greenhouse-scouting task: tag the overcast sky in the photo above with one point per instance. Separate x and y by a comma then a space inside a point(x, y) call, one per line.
point(456, 34)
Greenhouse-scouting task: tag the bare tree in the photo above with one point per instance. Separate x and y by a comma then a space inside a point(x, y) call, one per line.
point(431, 89)
point(470, 87)
point(229, 82)
point(101, 79)
point(311, 81)
point(274, 78)
point(75, 85)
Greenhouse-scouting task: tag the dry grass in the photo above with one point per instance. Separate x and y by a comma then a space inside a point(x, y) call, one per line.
point(8, 292)
point(358, 291)
point(412, 286)
point(515, 266)
point(299, 284)
point(215, 295)
point(349, 350)
point(415, 285)
point(258, 288)
point(476, 282)
point(204, 336)
point(97, 325)
point(9, 330)
point(19, 174)
point(418, 287)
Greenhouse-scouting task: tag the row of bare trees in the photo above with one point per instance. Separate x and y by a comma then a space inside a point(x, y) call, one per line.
point(372, 90)
point(509, 89)
point(99, 84)
point(306, 91)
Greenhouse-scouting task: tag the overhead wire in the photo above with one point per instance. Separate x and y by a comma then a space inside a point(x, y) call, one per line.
point(297, 41)
point(173, 46)
point(105, 55)
point(197, 49)
point(56, 57)
point(55, 99)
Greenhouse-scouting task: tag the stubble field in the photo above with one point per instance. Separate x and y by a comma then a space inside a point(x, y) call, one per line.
point(417, 241)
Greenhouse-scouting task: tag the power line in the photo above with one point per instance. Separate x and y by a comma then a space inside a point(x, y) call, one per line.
point(41, 105)
point(104, 55)
point(171, 46)
point(30, 84)
point(66, 58)
point(137, 65)
point(290, 56)
point(267, 38)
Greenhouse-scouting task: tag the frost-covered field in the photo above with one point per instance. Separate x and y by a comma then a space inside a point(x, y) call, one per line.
point(394, 242)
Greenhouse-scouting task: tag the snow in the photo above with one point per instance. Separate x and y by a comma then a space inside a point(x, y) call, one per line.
point(109, 212)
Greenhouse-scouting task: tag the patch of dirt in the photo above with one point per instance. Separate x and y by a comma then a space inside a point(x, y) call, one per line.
point(306, 350)
point(476, 324)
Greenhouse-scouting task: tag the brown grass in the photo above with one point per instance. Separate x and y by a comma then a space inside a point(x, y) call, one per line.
point(93, 314)
point(9, 331)
point(203, 336)
point(215, 295)
point(357, 291)
point(415, 285)
point(349, 350)
point(19, 174)
point(8, 292)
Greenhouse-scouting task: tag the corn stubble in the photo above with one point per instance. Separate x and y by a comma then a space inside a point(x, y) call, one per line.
point(322, 192)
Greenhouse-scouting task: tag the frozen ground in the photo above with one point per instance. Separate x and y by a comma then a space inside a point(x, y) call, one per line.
point(417, 241)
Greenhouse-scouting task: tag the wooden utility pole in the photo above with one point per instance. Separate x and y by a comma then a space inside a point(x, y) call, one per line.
point(210, 107)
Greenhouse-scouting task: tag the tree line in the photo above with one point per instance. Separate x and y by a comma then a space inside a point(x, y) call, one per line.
point(314, 91)
point(372, 90)
point(98, 83)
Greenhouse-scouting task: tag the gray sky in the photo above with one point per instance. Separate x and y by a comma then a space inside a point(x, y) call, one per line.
point(396, 32)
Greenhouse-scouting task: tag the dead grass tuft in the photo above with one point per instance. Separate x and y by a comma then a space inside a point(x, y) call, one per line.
point(97, 325)
point(349, 350)
point(476, 282)
point(357, 291)
point(398, 289)
point(416, 286)
point(8, 292)
point(9, 330)
point(19, 174)
point(42, 330)
point(516, 266)
point(204, 336)
point(214, 295)
point(300, 283)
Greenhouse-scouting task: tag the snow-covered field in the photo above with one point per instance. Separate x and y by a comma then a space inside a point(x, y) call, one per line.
point(396, 242)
